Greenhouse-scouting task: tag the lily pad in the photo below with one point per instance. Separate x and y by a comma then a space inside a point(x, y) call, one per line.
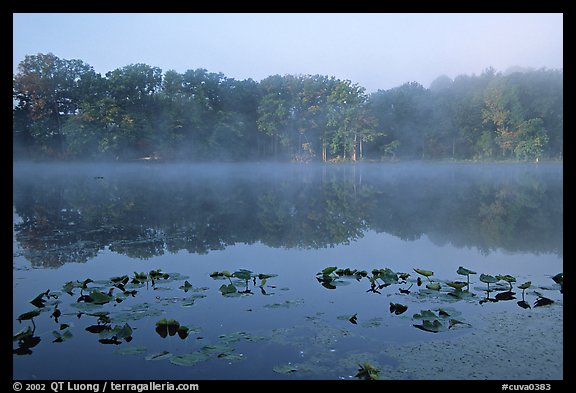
point(431, 326)
point(285, 304)
point(243, 274)
point(189, 301)
point(433, 286)
point(525, 285)
point(464, 272)
point(61, 337)
point(456, 284)
point(228, 290)
point(368, 372)
point(398, 308)
point(425, 273)
point(23, 333)
point(130, 351)
point(190, 359)
point(28, 315)
point(285, 368)
point(159, 356)
point(329, 270)
point(488, 278)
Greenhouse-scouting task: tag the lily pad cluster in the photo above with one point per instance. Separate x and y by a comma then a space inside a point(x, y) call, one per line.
point(241, 283)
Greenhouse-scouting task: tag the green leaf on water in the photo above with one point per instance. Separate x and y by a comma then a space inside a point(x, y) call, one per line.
point(368, 372)
point(486, 278)
point(159, 356)
point(183, 332)
point(525, 285)
point(28, 315)
point(190, 359)
point(397, 308)
point(61, 337)
point(124, 332)
point(431, 326)
point(39, 301)
point(456, 284)
point(227, 289)
point(243, 274)
point(23, 334)
point(425, 314)
point(167, 327)
point(425, 273)
point(464, 272)
point(186, 287)
point(327, 271)
point(189, 301)
point(130, 351)
point(100, 297)
point(285, 304)
point(285, 369)
point(433, 286)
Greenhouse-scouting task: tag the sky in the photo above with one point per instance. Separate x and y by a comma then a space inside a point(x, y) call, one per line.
point(375, 50)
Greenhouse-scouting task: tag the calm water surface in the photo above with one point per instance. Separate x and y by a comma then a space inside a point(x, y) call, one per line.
point(284, 224)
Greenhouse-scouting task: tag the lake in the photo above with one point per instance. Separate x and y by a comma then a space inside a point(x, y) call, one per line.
point(287, 271)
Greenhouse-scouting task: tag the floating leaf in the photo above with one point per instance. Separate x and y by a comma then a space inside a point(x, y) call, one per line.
point(166, 327)
point(99, 297)
point(39, 301)
point(285, 304)
point(265, 276)
point(285, 369)
point(374, 322)
point(329, 270)
point(97, 329)
point(398, 308)
point(190, 359)
point(488, 278)
point(28, 315)
point(431, 326)
point(525, 285)
point(558, 278)
point(425, 314)
point(425, 273)
point(130, 351)
point(23, 333)
point(243, 274)
point(159, 356)
point(227, 289)
point(454, 322)
point(433, 286)
point(464, 272)
point(186, 287)
point(367, 372)
point(61, 337)
point(183, 332)
point(189, 301)
point(456, 284)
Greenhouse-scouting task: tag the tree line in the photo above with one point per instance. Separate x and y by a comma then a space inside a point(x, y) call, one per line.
point(64, 110)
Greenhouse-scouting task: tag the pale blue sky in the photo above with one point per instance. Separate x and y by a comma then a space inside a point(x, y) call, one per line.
point(377, 51)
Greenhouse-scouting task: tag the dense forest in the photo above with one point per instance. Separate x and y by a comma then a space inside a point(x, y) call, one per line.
point(64, 110)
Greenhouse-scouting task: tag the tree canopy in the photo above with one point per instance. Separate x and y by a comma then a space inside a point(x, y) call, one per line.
point(64, 110)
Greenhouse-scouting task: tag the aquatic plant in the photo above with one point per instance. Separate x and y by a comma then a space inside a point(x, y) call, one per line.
point(367, 372)
point(425, 273)
point(508, 278)
point(465, 272)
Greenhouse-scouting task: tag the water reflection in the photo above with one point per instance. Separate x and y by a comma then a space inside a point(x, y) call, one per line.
point(68, 214)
